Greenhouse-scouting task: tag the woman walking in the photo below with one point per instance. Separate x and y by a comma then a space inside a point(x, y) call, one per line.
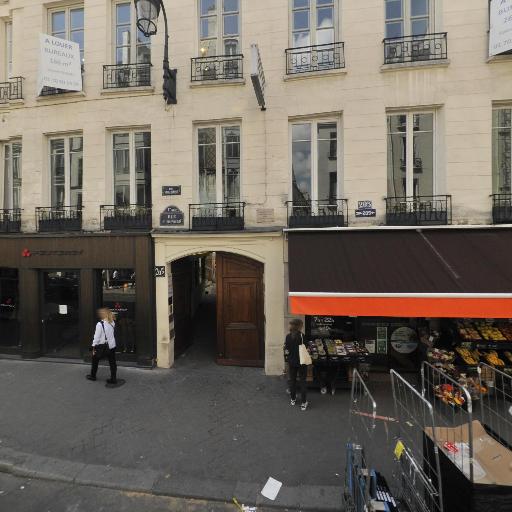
point(104, 345)
point(294, 339)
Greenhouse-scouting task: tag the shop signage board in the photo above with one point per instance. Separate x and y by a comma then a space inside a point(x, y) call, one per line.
point(171, 190)
point(500, 29)
point(59, 64)
point(172, 216)
point(258, 76)
point(366, 209)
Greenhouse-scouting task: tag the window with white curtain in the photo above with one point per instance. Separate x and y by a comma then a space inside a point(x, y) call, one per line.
point(131, 46)
point(219, 27)
point(313, 22)
point(8, 49)
point(12, 175)
point(66, 171)
point(502, 151)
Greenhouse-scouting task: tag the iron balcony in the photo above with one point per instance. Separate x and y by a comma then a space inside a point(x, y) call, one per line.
point(216, 216)
point(12, 89)
point(320, 57)
point(217, 67)
point(10, 220)
point(56, 219)
point(126, 217)
point(427, 47)
point(118, 76)
point(502, 208)
point(322, 213)
point(419, 210)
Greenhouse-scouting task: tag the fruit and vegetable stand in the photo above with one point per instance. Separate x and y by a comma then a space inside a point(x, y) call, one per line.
point(334, 360)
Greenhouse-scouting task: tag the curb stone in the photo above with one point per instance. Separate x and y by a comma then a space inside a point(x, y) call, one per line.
point(302, 498)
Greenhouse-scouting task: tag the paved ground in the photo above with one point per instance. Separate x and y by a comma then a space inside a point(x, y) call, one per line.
point(229, 428)
point(29, 495)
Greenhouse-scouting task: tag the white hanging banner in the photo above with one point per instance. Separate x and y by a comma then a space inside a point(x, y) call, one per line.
point(59, 64)
point(500, 30)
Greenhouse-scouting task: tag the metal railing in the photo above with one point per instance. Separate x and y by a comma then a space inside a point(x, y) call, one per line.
point(128, 217)
point(10, 220)
point(53, 219)
point(216, 216)
point(126, 75)
point(419, 210)
point(502, 208)
point(217, 67)
point(415, 48)
point(320, 57)
point(52, 91)
point(12, 89)
point(319, 213)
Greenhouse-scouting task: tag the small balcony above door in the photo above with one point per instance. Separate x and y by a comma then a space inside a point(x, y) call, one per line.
point(131, 217)
point(311, 59)
point(217, 68)
point(418, 211)
point(216, 216)
point(58, 219)
point(120, 76)
point(325, 213)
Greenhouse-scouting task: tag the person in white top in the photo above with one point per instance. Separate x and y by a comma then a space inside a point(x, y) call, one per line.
point(104, 345)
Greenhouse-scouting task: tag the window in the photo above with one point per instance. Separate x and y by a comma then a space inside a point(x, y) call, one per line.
point(219, 27)
point(132, 168)
point(313, 22)
point(408, 17)
point(12, 176)
point(68, 24)
point(131, 45)
point(411, 165)
point(314, 161)
point(8, 49)
point(219, 164)
point(501, 150)
point(66, 171)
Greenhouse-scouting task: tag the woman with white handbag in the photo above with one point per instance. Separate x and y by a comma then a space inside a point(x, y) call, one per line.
point(298, 359)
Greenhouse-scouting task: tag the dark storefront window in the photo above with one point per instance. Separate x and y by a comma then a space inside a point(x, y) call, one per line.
point(118, 294)
point(9, 308)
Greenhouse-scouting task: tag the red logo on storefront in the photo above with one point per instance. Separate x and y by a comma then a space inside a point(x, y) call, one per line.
point(25, 253)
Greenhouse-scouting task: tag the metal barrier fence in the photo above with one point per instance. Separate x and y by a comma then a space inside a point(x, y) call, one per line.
point(496, 403)
point(362, 422)
point(417, 462)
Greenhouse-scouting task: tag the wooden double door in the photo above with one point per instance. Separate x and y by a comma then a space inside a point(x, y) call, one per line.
point(240, 311)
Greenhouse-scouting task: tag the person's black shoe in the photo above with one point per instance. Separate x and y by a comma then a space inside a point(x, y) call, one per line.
point(111, 381)
point(90, 377)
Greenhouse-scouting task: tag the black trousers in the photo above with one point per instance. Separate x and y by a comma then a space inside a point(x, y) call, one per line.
point(300, 372)
point(111, 356)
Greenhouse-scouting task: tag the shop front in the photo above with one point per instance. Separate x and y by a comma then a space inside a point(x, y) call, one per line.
point(50, 288)
point(403, 296)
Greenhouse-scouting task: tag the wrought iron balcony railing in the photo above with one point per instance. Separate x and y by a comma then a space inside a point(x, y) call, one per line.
point(118, 76)
point(322, 213)
point(502, 208)
point(12, 89)
point(52, 91)
point(426, 47)
point(216, 216)
point(10, 220)
point(217, 67)
point(128, 217)
point(320, 57)
point(418, 210)
point(59, 218)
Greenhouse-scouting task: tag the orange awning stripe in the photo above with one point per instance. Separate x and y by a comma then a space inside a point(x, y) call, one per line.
point(441, 307)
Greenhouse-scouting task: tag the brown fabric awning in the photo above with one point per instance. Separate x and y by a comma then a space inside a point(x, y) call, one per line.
point(431, 272)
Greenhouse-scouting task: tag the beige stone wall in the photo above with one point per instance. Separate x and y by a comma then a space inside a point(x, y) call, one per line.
point(462, 93)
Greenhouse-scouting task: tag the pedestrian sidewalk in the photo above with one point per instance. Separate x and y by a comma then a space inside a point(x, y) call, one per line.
point(201, 431)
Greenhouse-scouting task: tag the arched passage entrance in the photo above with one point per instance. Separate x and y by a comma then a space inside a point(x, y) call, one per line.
point(217, 308)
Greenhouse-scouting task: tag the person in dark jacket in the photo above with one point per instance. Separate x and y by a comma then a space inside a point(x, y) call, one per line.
point(294, 339)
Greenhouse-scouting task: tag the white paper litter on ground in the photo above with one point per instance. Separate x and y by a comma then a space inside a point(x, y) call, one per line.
point(271, 489)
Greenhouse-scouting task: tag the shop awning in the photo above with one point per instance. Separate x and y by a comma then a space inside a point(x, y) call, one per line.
point(457, 273)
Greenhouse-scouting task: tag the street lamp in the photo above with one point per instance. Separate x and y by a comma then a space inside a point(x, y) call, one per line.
point(147, 17)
